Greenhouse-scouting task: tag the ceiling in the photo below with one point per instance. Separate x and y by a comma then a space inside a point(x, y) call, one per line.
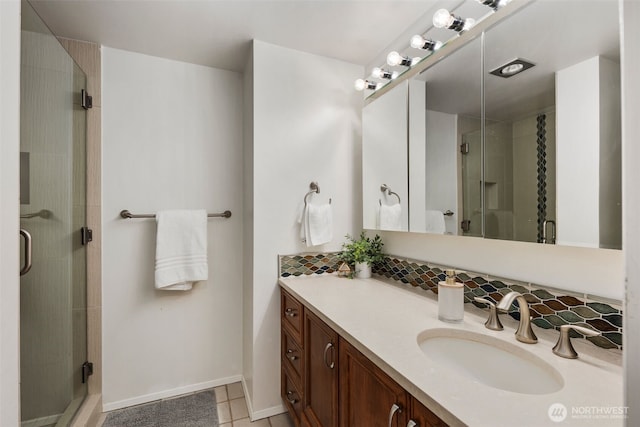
point(217, 33)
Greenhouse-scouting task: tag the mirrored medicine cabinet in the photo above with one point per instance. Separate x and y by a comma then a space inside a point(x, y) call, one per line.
point(515, 135)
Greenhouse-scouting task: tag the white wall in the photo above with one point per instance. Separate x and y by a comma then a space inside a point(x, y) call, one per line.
point(630, 17)
point(441, 166)
point(172, 139)
point(586, 117)
point(247, 228)
point(306, 127)
point(9, 213)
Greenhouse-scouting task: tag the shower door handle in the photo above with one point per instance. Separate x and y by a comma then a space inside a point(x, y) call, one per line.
point(27, 252)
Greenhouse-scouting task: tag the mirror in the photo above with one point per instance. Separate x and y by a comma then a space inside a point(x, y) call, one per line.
point(445, 121)
point(539, 161)
point(384, 162)
point(553, 131)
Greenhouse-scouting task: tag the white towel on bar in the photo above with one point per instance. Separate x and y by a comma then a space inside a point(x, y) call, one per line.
point(316, 224)
point(390, 217)
point(319, 224)
point(181, 249)
point(434, 222)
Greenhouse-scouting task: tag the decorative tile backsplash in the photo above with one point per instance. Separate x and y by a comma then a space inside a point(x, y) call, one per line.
point(298, 265)
point(549, 310)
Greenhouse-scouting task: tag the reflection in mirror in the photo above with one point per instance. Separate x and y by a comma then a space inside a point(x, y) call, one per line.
point(552, 131)
point(445, 143)
point(384, 165)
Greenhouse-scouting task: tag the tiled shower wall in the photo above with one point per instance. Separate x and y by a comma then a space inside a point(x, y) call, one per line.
point(550, 308)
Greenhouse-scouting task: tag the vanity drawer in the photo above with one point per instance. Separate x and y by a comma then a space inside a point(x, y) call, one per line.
point(292, 397)
point(291, 315)
point(292, 356)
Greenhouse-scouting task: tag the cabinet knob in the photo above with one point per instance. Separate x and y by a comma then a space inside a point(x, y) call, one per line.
point(291, 312)
point(394, 408)
point(291, 399)
point(412, 423)
point(290, 355)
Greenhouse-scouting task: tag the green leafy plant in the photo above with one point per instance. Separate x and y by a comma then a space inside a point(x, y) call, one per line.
point(363, 249)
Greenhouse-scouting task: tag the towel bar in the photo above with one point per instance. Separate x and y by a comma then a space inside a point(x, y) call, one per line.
point(127, 215)
point(315, 188)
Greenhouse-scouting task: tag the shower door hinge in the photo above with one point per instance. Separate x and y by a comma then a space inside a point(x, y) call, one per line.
point(86, 235)
point(464, 148)
point(87, 371)
point(86, 100)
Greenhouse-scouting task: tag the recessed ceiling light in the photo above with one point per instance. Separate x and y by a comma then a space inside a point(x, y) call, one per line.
point(512, 68)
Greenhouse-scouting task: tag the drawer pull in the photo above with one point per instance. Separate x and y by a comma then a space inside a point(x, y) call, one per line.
point(394, 408)
point(326, 350)
point(291, 312)
point(291, 400)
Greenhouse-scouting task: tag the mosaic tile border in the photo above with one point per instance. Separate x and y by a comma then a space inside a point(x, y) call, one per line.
point(308, 264)
point(549, 310)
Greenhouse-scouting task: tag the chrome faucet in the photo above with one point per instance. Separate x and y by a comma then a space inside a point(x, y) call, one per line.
point(524, 333)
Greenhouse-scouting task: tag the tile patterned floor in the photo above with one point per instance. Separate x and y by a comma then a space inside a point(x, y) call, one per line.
point(232, 410)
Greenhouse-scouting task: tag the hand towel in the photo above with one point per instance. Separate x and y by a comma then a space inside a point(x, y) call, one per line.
point(319, 224)
point(181, 249)
point(390, 217)
point(434, 222)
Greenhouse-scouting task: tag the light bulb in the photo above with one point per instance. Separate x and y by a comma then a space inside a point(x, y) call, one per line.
point(377, 72)
point(417, 41)
point(468, 23)
point(442, 19)
point(365, 84)
point(394, 59)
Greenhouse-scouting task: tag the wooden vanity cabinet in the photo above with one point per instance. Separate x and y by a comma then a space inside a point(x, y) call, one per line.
point(327, 382)
point(422, 416)
point(321, 373)
point(292, 356)
point(368, 396)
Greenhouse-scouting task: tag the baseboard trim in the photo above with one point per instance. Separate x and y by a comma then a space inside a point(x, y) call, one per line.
point(138, 400)
point(263, 413)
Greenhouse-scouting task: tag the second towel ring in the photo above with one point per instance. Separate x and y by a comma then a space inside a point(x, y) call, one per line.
point(385, 187)
point(314, 188)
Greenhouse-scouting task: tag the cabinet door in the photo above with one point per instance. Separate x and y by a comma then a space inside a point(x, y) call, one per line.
point(321, 372)
point(368, 396)
point(423, 417)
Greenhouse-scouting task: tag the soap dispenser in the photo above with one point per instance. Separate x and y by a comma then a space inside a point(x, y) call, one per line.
point(450, 299)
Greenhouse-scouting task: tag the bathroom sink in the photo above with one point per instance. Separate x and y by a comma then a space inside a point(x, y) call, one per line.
point(490, 361)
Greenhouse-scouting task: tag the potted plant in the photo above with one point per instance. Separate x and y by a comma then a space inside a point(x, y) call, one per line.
point(362, 253)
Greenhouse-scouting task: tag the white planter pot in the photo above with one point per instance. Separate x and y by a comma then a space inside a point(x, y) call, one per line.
point(363, 270)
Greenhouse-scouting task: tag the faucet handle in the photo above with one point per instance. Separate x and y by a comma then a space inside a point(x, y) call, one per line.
point(563, 347)
point(493, 322)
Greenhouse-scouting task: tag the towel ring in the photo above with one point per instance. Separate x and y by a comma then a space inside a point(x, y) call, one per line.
point(315, 188)
point(385, 187)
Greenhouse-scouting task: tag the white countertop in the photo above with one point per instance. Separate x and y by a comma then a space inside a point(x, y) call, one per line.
point(383, 321)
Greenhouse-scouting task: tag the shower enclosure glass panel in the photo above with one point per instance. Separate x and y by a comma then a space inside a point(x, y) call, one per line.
point(53, 342)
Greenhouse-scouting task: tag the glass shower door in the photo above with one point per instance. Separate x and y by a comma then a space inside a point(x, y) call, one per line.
point(52, 209)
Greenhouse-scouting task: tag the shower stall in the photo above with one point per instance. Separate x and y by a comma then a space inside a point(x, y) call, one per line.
point(53, 315)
